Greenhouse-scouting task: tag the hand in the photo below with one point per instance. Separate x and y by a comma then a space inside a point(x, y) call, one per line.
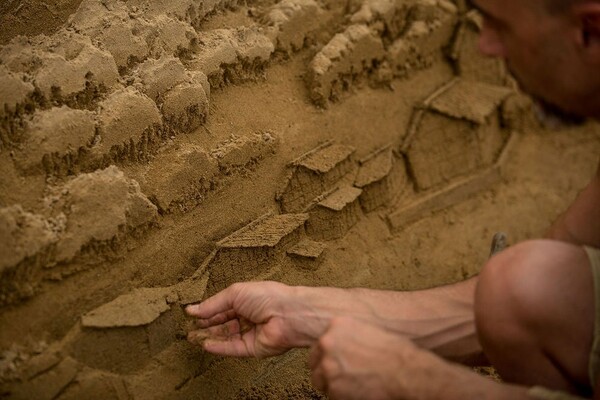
point(354, 360)
point(258, 319)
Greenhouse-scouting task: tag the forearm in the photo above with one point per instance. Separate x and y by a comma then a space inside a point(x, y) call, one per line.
point(579, 224)
point(453, 382)
point(439, 319)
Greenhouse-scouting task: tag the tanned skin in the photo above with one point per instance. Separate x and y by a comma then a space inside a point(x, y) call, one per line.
point(531, 310)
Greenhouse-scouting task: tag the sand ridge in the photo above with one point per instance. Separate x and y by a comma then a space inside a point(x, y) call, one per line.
point(156, 152)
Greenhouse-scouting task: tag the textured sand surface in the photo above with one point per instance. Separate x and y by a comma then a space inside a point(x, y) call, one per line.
point(154, 152)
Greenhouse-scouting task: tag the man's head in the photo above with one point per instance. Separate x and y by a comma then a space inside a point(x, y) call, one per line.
point(552, 47)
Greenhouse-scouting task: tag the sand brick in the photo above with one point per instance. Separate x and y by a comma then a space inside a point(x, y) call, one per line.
point(216, 48)
point(109, 23)
point(21, 55)
point(315, 173)
point(123, 350)
point(185, 107)
point(181, 95)
point(108, 193)
point(138, 308)
point(25, 241)
point(471, 101)
point(175, 177)
point(239, 152)
point(307, 254)
point(64, 78)
point(166, 35)
point(252, 46)
point(254, 249)
point(14, 91)
point(231, 54)
point(201, 78)
point(157, 76)
point(127, 118)
point(381, 177)
point(125, 46)
point(332, 217)
point(122, 335)
point(388, 17)
point(193, 289)
point(55, 137)
point(63, 65)
point(451, 143)
point(307, 249)
point(132, 37)
point(430, 29)
point(23, 235)
point(455, 132)
point(292, 22)
point(346, 56)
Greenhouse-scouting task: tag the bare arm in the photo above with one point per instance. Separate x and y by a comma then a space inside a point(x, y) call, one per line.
point(439, 319)
point(353, 360)
point(276, 317)
point(580, 224)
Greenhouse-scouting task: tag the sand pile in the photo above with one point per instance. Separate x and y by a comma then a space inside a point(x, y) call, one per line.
point(155, 152)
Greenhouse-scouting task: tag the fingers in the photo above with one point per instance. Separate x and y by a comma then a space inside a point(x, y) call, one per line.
point(218, 319)
point(215, 305)
point(232, 347)
point(223, 331)
point(228, 339)
point(197, 337)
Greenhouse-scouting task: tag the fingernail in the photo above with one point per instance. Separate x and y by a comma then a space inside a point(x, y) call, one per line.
point(206, 344)
point(190, 308)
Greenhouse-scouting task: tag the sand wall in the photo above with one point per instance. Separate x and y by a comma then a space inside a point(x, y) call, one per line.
point(154, 152)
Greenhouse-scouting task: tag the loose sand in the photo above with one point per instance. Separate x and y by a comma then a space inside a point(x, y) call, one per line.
point(154, 152)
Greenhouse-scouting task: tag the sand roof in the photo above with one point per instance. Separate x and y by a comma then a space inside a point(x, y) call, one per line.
point(375, 168)
point(265, 231)
point(324, 158)
point(308, 248)
point(470, 100)
point(341, 198)
point(138, 308)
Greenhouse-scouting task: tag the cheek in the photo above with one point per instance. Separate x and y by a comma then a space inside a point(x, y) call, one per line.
point(527, 65)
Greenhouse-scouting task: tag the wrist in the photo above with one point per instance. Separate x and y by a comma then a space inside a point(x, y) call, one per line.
point(308, 314)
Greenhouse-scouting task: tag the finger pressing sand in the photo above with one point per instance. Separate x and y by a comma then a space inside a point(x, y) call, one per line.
point(219, 303)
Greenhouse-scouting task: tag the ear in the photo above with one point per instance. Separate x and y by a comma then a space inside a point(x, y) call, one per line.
point(587, 14)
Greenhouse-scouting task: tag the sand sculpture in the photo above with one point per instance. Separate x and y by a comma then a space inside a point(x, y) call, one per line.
point(110, 121)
